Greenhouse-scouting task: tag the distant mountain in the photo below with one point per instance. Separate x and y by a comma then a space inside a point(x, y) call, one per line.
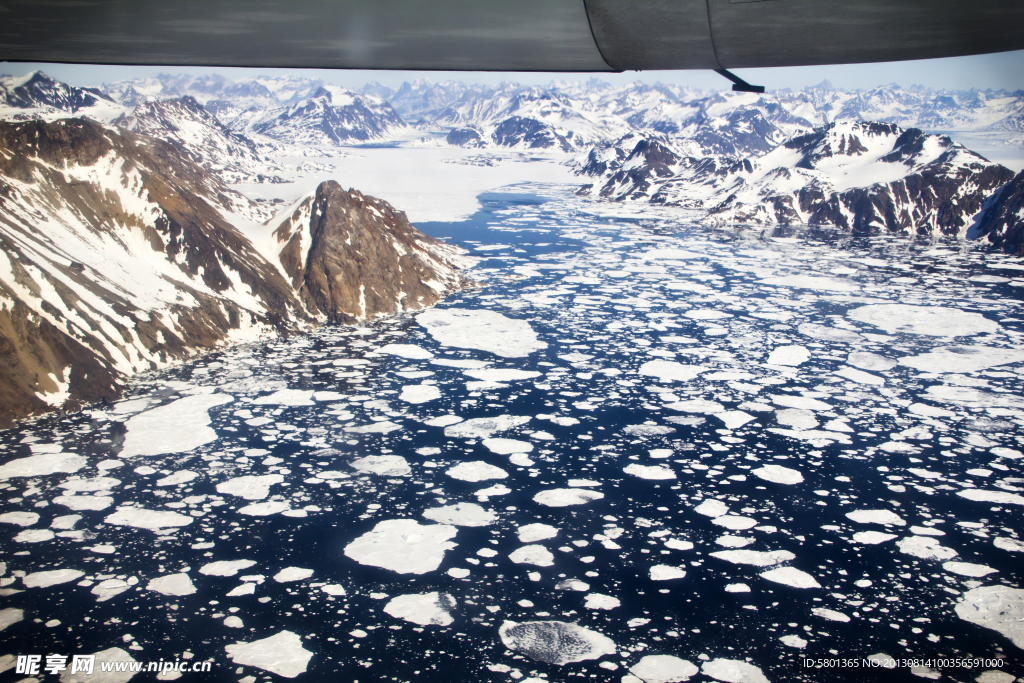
point(865, 177)
point(37, 96)
point(329, 116)
point(121, 255)
point(187, 125)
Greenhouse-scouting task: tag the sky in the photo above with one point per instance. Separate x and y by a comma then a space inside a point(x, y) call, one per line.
point(996, 71)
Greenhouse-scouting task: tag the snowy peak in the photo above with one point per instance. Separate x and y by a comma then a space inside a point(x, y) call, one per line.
point(330, 115)
point(36, 95)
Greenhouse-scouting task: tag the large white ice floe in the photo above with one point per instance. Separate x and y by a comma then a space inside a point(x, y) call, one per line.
point(51, 577)
point(962, 359)
point(935, 321)
point(384, 465)
point(141, 518)
point(403, 545)
point(461, 514)
point(777, 474)
point(503, 446)
point(42, 465)
point(537, 531)
point(425, 609)
point(756, 558)
point(265, 509)
point(281, 654)
point(987, 496)
point(1000, 608)
point(225, 567)
point(250, 487)
point(287, 397)
point(925, 547)
point(484, 427)
point(886, 517)
point(10, 615)
point(177, 427)
point(477, 470)
point(657, 472)
point(792, 355)
point(408, 351)
point(533, 554)
point(665, 572)
point(791, 576)
point(557, 498)
point(172, 584)
point(118, 660)
point(482, 330)
point(671, 371)
point(663, 669)
point(555, 642)
point(733, 671)
point(289, 574)
point(420, 393)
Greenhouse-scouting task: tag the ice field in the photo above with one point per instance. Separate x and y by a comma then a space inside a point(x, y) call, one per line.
point(641, 451)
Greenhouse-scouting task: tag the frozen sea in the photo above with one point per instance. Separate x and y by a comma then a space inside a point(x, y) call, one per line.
point(641, 451)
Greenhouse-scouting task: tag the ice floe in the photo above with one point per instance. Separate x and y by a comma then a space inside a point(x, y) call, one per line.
point(531, 533)
point(42, 465)
point(533, 554)
point(789, 355)
point(403, 545)
point(477, 470)
point(1000, 608)
point(671, 371)
point(664, 572)
point(51, 577)
point(663, 669)
point(177, 427)
point(484, 427)
point(250, 487)
point(172, 584)
point(557, 498)
point(281, 654)
point(656, 472)
point(425, 609)
point(778, 474)
point(886, 517)
point(482, 330)
point(461, 514)
point(757, 558)
point(225, 567)
point(383, 465)
point(935, 321)
point(555, 642)
point(790, 576)
point(733, 671)
point(290, 574)
point(141, 518)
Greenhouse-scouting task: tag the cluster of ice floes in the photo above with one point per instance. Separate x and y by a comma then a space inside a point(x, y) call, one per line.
point(647, 456)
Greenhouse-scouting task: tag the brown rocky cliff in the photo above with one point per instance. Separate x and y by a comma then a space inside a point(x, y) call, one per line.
point(365, 259)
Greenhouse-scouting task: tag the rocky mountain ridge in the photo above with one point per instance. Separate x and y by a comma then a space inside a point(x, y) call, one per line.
point(120, 254)
point(868, 178)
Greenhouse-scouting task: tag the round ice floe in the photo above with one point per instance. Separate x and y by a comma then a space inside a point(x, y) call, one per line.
point(794, 641)
point(756, 558)
point(19, 518)
point(790, 576)
point(924, 547)
point(789, 355)
point(997, 497)
point(461, 514)
point(663, 669)
point(796, 418)
point(829, 614)
point(51, 577)
point(600, 601)
point(289, 574)
point(420, 393)
point(172, 584)
point(507, 446)
point(477, 470)
point(42, 465)
point(870, 361)
point(557, 498)
point(671, 371)
point(1000, 608)
point(555, 642)
point(935, 321)
point(484, 427)
point(250, 487)
point(10, 615)
point(281, 654)
point(872, 537)
point(384, 465)
point(887, 517)
point(270, 507)
point(657, 472)
point(483, 330)
point(225, 567)
point(79, 503)
point(425, 609)
point(536, 532)
point(140, 518)
point(403, 545)
point(458, 572)
point(777, 474)
point(410, 351)
point(733, 671)
point(177, 427)
point(974, 571)
point(533, 554)
point(734, 522)
point(711, 508)
point(34, 536)
point(664, 572)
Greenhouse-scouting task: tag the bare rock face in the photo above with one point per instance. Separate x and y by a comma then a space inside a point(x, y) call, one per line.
point(116, 257)
point(1002, 222)
point(354, 258)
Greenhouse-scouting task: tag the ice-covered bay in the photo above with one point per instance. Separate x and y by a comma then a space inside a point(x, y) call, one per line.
point(640, 451)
